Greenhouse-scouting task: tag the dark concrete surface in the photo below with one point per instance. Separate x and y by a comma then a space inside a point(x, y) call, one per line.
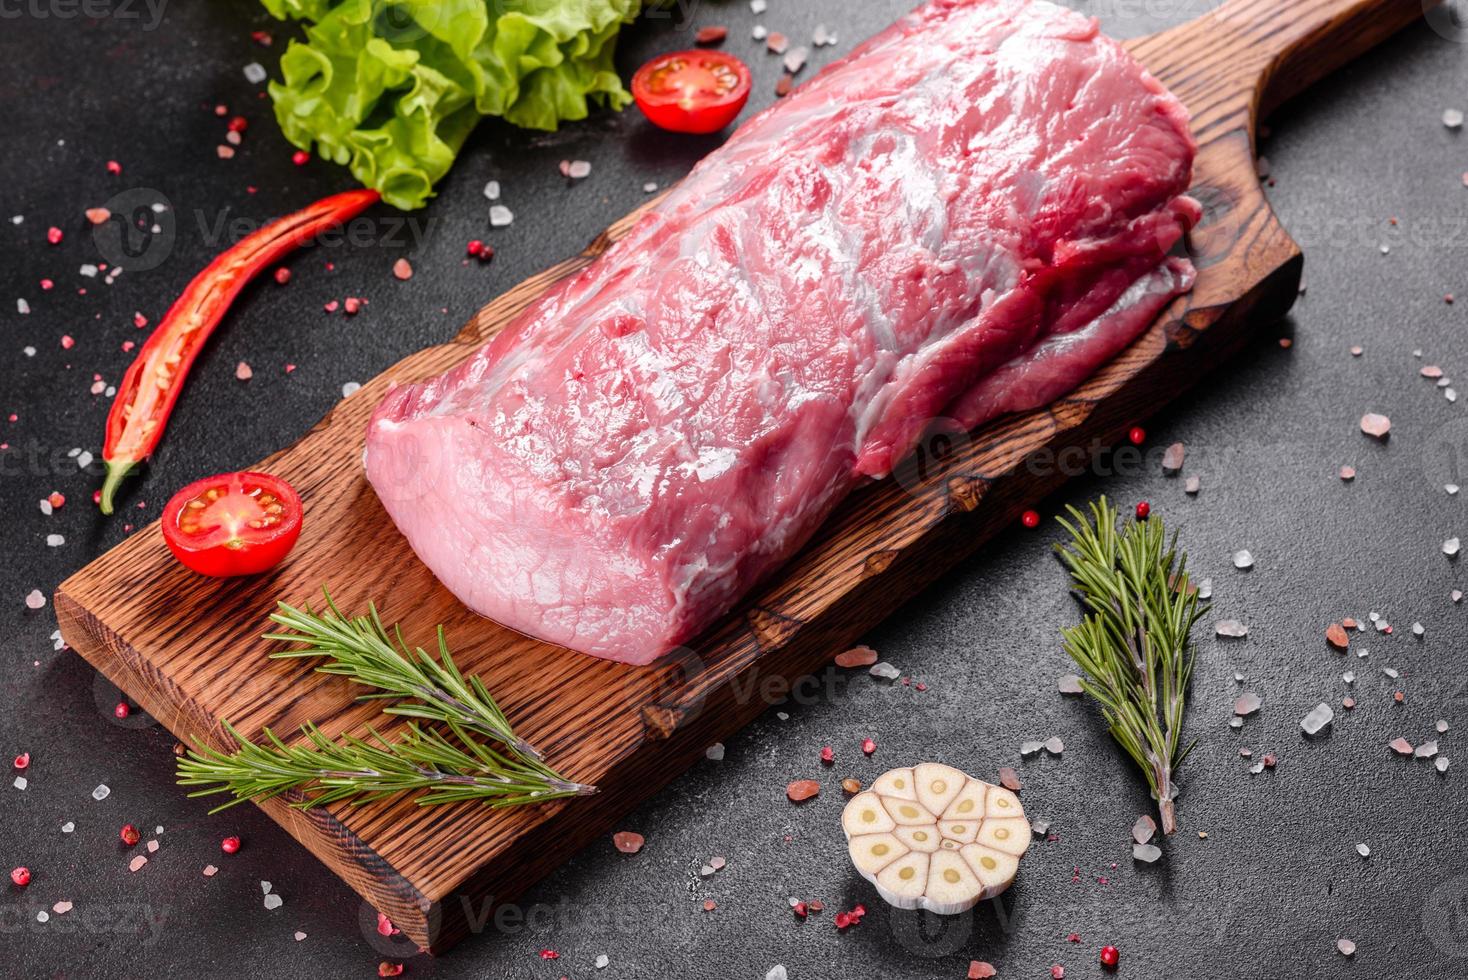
point(1268, 892)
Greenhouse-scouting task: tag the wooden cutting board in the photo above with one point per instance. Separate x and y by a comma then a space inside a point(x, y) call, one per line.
point(188, 651)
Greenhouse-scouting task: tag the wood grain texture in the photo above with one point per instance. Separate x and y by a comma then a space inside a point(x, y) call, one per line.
point(187, 650)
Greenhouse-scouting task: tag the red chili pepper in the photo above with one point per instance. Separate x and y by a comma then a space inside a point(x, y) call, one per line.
point(152, 384)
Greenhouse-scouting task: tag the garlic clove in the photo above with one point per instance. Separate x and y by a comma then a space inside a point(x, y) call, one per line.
point(968, 803)
point(1001, 802)
point(959, 831)
point(874, 852)
point(1008, 834)
point(909, 813)
point(864, 814)
point(919, 838)
point(994, 869)
point(937, 785)
point(895, 783)
point(952, 885)
point(903, 882)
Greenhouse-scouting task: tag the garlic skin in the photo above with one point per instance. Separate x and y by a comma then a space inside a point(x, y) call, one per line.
point(935, 838)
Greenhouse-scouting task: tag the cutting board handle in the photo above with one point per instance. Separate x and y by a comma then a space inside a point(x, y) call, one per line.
point(1268, 51)
point(1307, 40)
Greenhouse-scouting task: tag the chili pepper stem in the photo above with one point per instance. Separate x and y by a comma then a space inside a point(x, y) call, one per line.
point(117, 471)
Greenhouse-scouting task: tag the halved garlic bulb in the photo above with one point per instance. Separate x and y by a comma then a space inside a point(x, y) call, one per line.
point(935, 838)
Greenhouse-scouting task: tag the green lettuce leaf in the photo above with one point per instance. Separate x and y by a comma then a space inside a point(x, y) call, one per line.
point(392, 88)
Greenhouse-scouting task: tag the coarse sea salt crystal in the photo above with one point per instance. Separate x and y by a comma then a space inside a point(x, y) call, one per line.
point(1030, 748)
point(759, 7)
point(101, 792)
point(83, 460)
point(28, 350)
point(1243, 559)
point(1069, 684)
point(1231, 628)
point(22, 307)
point(300, 935)
point(715, 752)
point(579, 169)
point(210, 871)
point(1146, 853)
point(776, 972)
point(34, 599)
point(254, 73)
point(492, 190)
point(1346, 947)
point(137, 862)
point(20, 783)
point(1451, 546)
point(1363, 850)
point(55, 540)
point(273, 902)
point(1426, 750)
point(885, 670)
point(650, 187)
point(68, 827)
point(759, 32)
point(602, 961)
point(500, 216)
point(350, 388)
point(1319, 717)
point(1441, 763)
point(1453, 118)
point(43, 916)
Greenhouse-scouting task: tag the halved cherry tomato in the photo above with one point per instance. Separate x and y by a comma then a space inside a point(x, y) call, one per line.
point(233, 524)
point(692, 91)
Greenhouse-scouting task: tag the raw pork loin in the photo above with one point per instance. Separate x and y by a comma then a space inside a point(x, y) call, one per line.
point(965, 217)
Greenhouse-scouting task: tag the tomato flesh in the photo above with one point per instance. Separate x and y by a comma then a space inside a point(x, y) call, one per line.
point(692, 91)
point(233, 524)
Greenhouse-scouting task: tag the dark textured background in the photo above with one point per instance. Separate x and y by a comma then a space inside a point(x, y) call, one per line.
point(1275, 883)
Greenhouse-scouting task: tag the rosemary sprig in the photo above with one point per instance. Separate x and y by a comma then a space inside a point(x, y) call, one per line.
point(1133, 642)
point(363, 770)
point(363, 650)
point(458, 766)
